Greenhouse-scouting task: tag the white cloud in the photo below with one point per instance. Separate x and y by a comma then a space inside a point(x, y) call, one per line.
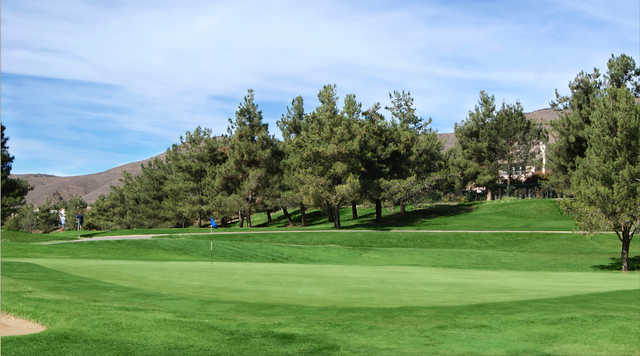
point(166, 59)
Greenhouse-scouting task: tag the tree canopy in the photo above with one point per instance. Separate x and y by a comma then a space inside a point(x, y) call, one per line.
point(14, 190)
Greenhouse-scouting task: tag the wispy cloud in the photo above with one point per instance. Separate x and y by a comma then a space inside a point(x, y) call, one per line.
point(133, 76)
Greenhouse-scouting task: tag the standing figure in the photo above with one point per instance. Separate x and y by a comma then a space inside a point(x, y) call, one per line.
point(213, 224)
point(62, 218)
point(80, 218)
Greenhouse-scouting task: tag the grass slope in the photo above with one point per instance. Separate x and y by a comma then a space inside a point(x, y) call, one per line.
point(512, 215)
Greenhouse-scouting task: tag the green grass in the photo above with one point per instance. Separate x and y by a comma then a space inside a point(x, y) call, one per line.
point(338, 285)
point(511, 215)
point(330, 293)
point(19, 236)
point(490, 251)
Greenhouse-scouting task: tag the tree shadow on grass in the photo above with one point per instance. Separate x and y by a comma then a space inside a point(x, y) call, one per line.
point(92, 234)
point(411, 218)
point(314, 217)
point(416, 218)
point(616, 264)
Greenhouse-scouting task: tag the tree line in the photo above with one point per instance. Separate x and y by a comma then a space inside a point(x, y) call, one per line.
point(328, 158)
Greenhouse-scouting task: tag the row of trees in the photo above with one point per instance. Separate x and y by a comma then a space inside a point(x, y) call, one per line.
point(328, 158)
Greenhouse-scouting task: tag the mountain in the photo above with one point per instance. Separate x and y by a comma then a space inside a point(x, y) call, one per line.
point(88, 186)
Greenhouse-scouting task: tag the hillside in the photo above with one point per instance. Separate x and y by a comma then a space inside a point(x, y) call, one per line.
point(88, 186)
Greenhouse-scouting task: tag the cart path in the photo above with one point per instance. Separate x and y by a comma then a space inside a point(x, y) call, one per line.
point(150, 236)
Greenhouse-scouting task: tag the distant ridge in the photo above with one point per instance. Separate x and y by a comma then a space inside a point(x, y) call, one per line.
point(90, 186)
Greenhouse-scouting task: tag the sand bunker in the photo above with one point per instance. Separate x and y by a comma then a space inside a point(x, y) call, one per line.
point(10, 326)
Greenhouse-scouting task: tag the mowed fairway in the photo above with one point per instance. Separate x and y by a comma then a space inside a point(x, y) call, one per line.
point(324, 293)
point(339, 286)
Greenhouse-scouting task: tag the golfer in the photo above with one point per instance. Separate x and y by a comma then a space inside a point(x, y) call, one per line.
point(80, 218)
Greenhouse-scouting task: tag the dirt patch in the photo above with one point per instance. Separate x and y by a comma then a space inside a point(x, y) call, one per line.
point(10, 326)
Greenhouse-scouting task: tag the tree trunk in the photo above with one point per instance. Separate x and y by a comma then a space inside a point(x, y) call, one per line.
point(241, 217)
point(269, 217)
point(378, 210)
point(624, 254)
point(303, 214)
point(199, 220)
point(336, 220)
point(489, 194)
point(286, 215)
point(249, 218)
point(354, 210)
point(403, 209)
point(330, 214)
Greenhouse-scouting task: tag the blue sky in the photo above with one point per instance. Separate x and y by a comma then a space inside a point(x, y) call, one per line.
point(88, 85)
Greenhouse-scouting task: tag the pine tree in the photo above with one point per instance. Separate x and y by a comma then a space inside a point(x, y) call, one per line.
point(291, 125)
point(517, 136)
point(376, 148)
point(327, 159)
point(478, 142)
point(352, 111)
point(14, 190)
point(494, 140)
point(606, 181)
point(186, 183)
point(252, 158)
point(569, 130)
point(415, 156)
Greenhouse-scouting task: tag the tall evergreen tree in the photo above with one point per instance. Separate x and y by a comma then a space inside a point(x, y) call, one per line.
point(377, 145)
point(14, 190)
point(352, 111)
point(252, 162)
point(327, 160)
point(569, 130)
point(517, 137)
point(478, 143)
point(188, 162)
point(622, 72)
point(606, 181)
point(494, 140)
point(416, 154)
point(291, 125)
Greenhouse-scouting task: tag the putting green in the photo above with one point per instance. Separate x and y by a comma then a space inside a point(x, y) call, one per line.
point(341, 286)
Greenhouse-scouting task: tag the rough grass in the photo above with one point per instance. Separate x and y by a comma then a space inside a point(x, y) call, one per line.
point(19, 236)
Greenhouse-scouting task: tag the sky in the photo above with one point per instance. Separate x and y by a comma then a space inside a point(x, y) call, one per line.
point(89, 85)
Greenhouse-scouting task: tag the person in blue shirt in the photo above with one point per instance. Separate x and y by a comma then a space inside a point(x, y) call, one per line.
point(80, 218)
point(213, 223)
